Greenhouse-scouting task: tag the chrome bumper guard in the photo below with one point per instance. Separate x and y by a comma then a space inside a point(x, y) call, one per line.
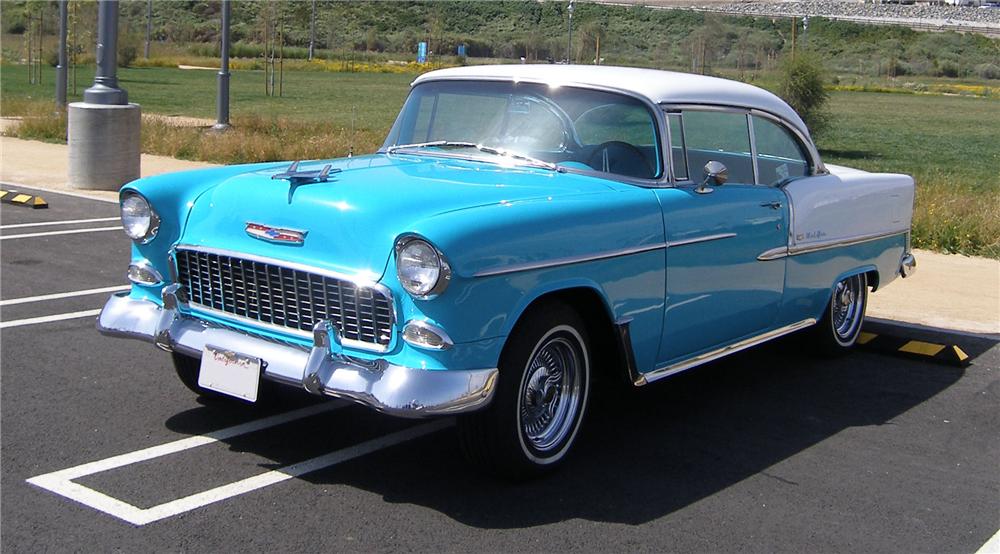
point(907, 266)
point(392, 389)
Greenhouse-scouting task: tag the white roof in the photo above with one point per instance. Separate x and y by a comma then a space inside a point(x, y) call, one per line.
point(660, 87)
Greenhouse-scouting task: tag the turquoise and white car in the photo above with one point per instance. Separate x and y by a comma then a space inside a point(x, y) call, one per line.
point(525, 232)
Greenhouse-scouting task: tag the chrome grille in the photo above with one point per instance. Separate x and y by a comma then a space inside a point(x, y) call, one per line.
point(286, 297)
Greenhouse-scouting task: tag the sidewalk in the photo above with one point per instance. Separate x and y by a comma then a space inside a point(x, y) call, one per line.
point(948, 292)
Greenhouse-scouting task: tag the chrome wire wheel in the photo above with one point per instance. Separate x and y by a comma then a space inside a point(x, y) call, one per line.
point(847, 308)
point(549, 398)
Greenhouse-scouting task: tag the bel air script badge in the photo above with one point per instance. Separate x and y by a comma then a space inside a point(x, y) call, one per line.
point(275, 234)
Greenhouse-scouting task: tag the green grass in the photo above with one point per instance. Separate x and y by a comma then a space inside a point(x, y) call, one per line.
point(948, 143)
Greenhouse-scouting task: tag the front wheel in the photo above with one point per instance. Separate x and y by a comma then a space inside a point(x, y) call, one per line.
point(840, 326)
point(541, 397)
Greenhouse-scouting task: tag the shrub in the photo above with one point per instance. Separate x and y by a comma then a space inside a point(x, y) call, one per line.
point(802, 87)
point(127, 55)
point(988, 71)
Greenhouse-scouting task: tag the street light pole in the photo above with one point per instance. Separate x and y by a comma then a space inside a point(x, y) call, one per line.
point(61, 68)
point(105, 88)
point(312, 32)
point(222, 105)
point(149, 26)
point(569, 46)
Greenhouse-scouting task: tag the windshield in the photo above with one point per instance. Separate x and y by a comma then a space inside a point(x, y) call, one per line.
point(561, 128)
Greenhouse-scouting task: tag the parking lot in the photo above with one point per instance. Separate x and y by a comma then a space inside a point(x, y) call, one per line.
point(770, 450)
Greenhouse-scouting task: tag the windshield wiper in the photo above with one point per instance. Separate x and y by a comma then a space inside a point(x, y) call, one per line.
point(431, 144)
point(482, 148)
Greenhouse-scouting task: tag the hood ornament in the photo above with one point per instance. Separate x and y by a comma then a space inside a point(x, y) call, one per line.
point(275, 234)
point(298, 178)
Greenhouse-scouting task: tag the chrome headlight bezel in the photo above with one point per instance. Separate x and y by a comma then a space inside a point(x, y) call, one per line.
point(152, 225)
point(429, 290)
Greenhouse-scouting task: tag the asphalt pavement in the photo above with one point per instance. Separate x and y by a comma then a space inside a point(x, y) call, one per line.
point(770, 450)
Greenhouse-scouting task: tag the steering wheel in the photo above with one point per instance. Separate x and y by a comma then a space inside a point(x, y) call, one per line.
point(622, 158)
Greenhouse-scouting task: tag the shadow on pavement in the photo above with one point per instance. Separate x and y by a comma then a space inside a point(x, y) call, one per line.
point(641, 456)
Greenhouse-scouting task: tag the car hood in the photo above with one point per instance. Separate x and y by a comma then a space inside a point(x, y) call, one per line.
point(352, 220)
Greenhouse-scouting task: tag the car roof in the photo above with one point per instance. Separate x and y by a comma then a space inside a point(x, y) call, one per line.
point(659, 87)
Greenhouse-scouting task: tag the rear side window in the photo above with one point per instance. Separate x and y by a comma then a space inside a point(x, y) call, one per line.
point(721, 137)
point(677, 147)
point(779, 154)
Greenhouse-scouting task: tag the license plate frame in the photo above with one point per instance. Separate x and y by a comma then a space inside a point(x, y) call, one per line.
point(231, 373)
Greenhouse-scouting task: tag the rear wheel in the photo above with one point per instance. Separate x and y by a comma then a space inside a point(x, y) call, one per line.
point(840, 326)
point(541, 397)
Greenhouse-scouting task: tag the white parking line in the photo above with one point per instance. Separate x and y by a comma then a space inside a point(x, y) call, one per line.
point(48, 318)
point(68, 232)
point(992, 546)
point(58, 295)
point(65, 222)
point(61, 482)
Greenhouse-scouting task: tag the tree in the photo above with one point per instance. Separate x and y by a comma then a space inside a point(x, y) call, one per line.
point(802, 87)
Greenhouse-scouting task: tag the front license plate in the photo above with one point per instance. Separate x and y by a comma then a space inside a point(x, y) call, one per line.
point(229, 372)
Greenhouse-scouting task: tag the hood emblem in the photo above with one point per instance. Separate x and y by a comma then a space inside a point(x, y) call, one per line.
point(275, 234)
point(298, 178)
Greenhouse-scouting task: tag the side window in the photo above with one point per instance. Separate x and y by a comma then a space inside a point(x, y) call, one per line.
point(722, 137)
point(677, 147)
point(779, 154)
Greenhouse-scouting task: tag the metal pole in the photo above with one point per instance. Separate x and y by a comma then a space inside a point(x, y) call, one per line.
point(61, 68)
point(569, 46)
point(105, 88)
point(149, 26)
point(222, 121)
point(312, 32)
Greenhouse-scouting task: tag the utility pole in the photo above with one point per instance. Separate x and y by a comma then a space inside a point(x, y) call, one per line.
point(312, 31)
point(569, 45)
point(149, 26)
point(222, 103)
point(61, 68)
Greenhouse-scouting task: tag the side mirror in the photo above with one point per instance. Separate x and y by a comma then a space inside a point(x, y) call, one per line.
point(715, 172)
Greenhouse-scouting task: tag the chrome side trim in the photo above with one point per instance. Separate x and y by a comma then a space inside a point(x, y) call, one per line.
point(773, 254)
point(696, 240)
point(667, 370)
point(379, 384)
point(784, 251)
point(835, 243)
point(624, 336)
point(569, 260)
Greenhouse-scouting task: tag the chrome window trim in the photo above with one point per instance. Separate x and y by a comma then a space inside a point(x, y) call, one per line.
point(569, 260)
point(753, 148)
point(663, 181)
point(696, 240)
point(785, 251)
point(670, 369)
point(816, 166)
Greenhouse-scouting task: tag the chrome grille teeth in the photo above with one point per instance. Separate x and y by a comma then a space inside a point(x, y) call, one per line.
point(285, 297)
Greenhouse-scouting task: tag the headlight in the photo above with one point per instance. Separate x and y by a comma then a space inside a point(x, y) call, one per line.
point(138, 219)
point(420, 268)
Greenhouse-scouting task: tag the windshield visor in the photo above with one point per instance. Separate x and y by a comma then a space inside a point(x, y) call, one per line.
point(574, 128)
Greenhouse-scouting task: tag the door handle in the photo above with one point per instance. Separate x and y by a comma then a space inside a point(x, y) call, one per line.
point(773, 205)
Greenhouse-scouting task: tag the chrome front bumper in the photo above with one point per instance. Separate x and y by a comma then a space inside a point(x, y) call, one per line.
point(392, 389)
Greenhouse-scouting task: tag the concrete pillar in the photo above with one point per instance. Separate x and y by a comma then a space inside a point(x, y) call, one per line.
point(103, 145)
point(103, 130)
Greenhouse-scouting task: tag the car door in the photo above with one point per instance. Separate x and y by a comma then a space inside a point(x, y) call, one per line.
point(717, 290)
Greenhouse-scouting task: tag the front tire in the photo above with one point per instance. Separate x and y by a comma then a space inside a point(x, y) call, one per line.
point(541, 398)
point(841, 324)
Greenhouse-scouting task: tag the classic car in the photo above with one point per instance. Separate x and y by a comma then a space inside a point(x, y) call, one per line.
point(525, 232)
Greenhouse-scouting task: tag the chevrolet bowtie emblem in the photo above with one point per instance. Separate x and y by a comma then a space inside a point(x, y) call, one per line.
point(275, 234)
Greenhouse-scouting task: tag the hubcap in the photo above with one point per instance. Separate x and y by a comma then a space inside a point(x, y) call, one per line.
point(550, 394)
point(848, 307)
